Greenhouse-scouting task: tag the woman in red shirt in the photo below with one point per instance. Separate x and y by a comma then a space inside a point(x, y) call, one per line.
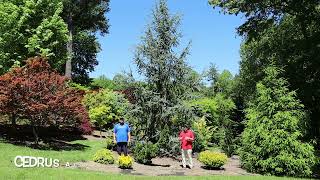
point(186, 137)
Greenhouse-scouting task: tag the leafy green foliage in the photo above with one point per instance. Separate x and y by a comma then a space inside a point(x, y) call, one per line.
point(260, 14)
point(85, 50)
point(271, 141)
point(103, 82)
point(203, 134)
point(144, 152)
point(120, 81)
point(79, 86)
point(103, 156)
point(104, 105)
point(208, 107)
point(30, 28)
point(217, 112)
point(212, 159)
point(109, 143)
point(84, 19)
point(169, 145)
point(288, 31)
point(100, 114)
point(125, 162)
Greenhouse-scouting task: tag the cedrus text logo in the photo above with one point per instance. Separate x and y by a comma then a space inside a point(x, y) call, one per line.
point(29, 161)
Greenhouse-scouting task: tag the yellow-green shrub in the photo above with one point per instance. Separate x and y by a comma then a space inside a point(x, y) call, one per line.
point(103, 156)
point(125, 162)
point(212, 159)
point(109, 143)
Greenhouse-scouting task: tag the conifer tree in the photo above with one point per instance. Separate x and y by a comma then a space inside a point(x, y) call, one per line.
point(271, 141)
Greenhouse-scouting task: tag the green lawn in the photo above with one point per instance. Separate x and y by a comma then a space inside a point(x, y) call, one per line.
point(9, 171)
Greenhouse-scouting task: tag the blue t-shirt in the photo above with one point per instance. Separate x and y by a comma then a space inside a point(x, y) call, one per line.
point(121, 132)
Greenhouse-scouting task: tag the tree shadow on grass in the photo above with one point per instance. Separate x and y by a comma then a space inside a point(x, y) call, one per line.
point(51, 138)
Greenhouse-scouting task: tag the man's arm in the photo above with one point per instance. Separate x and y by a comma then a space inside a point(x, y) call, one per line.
point(114, 137)
point(129, 135)
point(192, 136)
point(114, 134)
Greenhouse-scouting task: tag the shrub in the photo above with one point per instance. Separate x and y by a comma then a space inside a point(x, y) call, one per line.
point(218, 112)
point(144, 152)
point(271, 141)
point(212, 159)
point(169, 145)
point(203, 134)
point(104, 105)
point(104, 156)
point(109, 143)
point(125, 162)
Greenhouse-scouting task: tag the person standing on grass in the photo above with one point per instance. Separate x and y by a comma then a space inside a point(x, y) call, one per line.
point(121, 136)
point(186, 137)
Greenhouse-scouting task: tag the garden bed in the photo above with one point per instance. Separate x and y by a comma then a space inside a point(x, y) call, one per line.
point(167, 167)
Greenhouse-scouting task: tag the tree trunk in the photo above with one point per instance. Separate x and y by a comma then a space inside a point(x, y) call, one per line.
point(13, 119)
point(100, 131)
point(35, 134)
point(68, 69)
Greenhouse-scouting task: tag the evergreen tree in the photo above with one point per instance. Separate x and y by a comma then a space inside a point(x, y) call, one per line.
point(166, 72)
point(271, 141)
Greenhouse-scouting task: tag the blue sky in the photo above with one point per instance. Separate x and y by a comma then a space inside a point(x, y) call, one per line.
point(213, 35)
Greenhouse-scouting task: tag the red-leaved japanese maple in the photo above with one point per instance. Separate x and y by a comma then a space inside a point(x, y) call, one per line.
point(38, 93)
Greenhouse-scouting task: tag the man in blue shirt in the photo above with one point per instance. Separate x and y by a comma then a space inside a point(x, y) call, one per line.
point(121, 136)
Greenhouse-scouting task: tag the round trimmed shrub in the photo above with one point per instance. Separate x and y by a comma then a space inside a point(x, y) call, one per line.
point(213, 160)
point(125, 162)
point(144, 152)
point(103, 156)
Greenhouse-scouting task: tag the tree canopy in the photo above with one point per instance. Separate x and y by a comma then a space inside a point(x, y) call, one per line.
point(29, 28)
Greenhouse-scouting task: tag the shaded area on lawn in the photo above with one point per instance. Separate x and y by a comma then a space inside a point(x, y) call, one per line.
point(51, 138)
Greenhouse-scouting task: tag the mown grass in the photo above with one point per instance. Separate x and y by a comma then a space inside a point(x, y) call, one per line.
point(9, 171)
point(10, 151)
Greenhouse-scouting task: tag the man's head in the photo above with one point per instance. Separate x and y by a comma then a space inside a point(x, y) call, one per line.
point(121, 120)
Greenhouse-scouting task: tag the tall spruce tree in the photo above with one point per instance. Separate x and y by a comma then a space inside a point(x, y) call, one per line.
point(165, 71)
point(271, 141)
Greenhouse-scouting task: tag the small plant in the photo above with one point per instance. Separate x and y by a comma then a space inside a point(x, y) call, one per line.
point(104, 156)
point(144, 152)
point(212, 159)
point(203, 133)
point(109, 143)
point(125, 162)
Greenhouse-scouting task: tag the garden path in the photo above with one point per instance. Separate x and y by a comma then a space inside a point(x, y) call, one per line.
point(167, 167)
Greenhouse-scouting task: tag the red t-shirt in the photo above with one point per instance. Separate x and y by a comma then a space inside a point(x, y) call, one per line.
point(185, 144)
